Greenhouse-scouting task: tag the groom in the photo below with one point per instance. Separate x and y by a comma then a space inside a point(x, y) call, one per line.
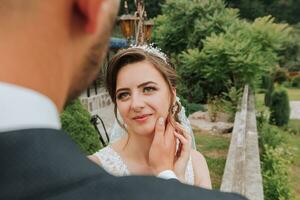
point(50, 51)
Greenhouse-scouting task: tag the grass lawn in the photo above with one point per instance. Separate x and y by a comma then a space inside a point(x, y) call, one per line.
point(214, 148)
point(294, 94)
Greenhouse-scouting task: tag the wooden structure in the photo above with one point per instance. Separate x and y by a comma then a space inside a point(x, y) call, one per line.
point(242, 173)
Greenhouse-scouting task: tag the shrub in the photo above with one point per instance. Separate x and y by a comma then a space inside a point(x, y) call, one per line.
point(270, 135)
point(262, 115)
point(268, 85)
point(213, 107)
point(76, 122)
point(280, 107)
point(275, 162)
point(190, 107)
point(296, 82)
point(230, 101)
point(275, 159)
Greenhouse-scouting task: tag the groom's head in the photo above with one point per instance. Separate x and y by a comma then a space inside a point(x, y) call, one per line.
point(54, 46)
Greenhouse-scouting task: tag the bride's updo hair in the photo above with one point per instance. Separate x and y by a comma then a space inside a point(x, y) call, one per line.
point(139, 54)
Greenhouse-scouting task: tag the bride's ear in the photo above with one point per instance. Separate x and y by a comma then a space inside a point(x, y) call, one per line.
point(174, 94)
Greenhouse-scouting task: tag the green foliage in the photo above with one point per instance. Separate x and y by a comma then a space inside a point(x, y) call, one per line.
point(270, 135)
point(275, 162)
point(268, 85)
point(173, 34)
point(214, 106)
point(243, 53)
point(296, 82)
point(216, 50)
point(280, 107)
point(197, 95)
point(290, 55)
point(76, 122)
point(275, 159)
point(287, 10)
point(262, 116)
point(239, 56)
point(230, 101)
point(190, 107)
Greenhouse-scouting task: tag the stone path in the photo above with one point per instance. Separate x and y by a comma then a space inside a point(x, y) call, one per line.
point(295, 109)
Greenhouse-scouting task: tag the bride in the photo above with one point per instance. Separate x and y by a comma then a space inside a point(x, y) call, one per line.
point(142, 84)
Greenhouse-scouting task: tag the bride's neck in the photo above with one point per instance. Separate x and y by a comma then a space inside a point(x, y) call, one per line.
point(137, 147)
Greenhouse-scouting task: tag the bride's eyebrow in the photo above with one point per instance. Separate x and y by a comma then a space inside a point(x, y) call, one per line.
point(146, 83)
point(139, 86)
point(122, 89)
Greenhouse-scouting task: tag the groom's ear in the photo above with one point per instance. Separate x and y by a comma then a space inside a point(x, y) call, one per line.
point(91, 11)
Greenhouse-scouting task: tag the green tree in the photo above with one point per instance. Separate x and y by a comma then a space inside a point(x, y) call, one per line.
point(290, 55)
point(76, 122)
point(239, 56)
point(282, 10)
point(185, 23)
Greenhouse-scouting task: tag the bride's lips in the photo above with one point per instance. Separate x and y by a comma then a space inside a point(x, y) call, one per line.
point(141, 118)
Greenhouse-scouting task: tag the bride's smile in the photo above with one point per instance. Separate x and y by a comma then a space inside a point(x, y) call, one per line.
point(142, 118)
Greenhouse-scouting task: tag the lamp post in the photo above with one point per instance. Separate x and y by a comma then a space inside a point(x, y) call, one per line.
point(136, 25)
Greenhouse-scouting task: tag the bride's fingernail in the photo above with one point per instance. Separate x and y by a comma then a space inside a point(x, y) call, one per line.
point(161, 121)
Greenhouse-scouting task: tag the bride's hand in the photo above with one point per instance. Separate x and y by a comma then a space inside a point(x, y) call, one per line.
point(162, 150)
point(183, 153)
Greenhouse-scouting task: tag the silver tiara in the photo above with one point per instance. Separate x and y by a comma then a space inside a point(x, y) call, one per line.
point(153, 50)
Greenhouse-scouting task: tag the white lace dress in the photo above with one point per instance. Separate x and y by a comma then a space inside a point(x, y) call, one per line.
point(112, 162)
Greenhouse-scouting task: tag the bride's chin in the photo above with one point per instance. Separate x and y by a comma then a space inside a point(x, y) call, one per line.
point(144, 131)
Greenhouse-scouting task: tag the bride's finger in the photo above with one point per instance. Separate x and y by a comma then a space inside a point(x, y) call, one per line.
point(184, 150)
point(185, 140)
point(182, 139)
point(179, 127)
point(184, 132)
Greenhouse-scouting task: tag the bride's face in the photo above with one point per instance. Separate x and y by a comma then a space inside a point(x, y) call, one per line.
point(142, 96)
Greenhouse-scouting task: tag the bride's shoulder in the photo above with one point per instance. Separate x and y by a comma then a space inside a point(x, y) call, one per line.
point(200, 168)
point(110, 160)
point(97, 155)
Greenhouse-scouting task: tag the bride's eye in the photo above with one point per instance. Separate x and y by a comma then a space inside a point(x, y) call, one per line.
point(149, 89)
point(123, 96)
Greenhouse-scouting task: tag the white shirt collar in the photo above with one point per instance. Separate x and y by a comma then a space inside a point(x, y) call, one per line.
point(23, 108)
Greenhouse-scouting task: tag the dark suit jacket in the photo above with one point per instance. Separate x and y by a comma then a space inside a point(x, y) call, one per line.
point(46, 164)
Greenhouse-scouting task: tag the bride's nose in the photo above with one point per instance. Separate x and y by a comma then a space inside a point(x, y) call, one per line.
point(137, 102)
